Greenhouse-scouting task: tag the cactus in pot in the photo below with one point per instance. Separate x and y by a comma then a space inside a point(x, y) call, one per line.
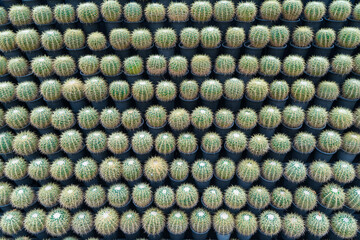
point(130, 222)
point(224, 119)
point(88, 118)
point(302, 90)
point(293, 66)
point(133, 65)
point(269, 117)
point(225, 65)
point(118, 143)
point(344, 172)
point(156, 116)
point(235, 198)
point(18, 67)
point(270, 10)
point(110, 169)
point(187, 143)
point(340, 118)
point(179, 170)
point(295, 172)
point(317, 224)
point(234, 37)
point(34, 221)
point(5, 193)
point(225, 169)
point(320, 172)
point(141, 39)
point(280, 144)
point(291, 10)
point(7, 41)
point(201, 65)
point(20, 15)
point(42, 66)
point(224, 11)
point(142, 142)
point(74, 39)
point(332, 196)
point(17, 117)
point(246, 224)
point(64, 66)
point(259, 36)
point(178, 66)
point(42, 15)
point(85, 169)
point(142, 91)
point(201, 11)
point(202, 118)
point(96, 142)
point(111, 11)
point(258, 197)
point(89, 64)
point(40, 117)
point(120, 38)
point(177, 223)
point(142, 195)
point(153, 222)
point(281, 198)
point(352, 200)
point(3, 66)
point(64, 13)
point(73, 90)
point(325, 37)
point(189, 37)
point(269, 223)
point(110, 118)
point(258, 145)
point(187, 196)
point(131, 119)
point(96, 41)
point(293, 116)
point(165, 38)
point(350, 90)
point(316, 117)
point(302, 37)
point(348, 37)
point(27, 91)
point(11, 222)
point(156, 169)
point(62, 119)
point(179, 119)
point(71, 197)
point(271, 170)
point(96, 89)
point(71, 141)
point(257, 89)
point(118, 195)
point(82, 223)
point(25, 143)
point(22, 197)
point(202, 171)
point(178, 12)
point(293, 225)
point(95, 196)
point(119, 90)
point(133, 12)
point(343, 225)
point(246, 119)
point(52, 40)
point(165, 92)
point(329, 141)
point(234, 89)
point(269, 66)
point(314, 11)
point(48, 195)
point(156, 65)
point(211, 90)
point(211, 143)
point(327, 90)
point(87, 12)
point(279, 36)
point(189, 89)
point(339, 10)
point(16, 168)
point(154, 12)
point(62, 169)
point(212, 198)
point(106, 221)
point(164, 198)
point(342, 64)
point(350, 145)
point(110, 65)
point(51, 90)
point(248, 170)
point(246, 11)
point(39, 169)
point(235, 142)
point(223, 223)
point(165, 143)
point(132, 169)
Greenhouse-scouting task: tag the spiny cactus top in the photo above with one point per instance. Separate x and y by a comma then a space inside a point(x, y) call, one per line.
point(164, 197)
point(295, 171)
point(339, 10)
point(269, 117)
point(304, 142)
point(49, 143)
point(61, 169)
point(25, 143)
point(246, 11)
point(293, 225)
point(42, 15)
point(356, 12)
point(119, 90)
point(234, 37)
point(314, 11)
point(270, 223)
point(211, 90)
point(224, 118)
point(279, 35)
point(235, 197)
point(71, 197)
point(156, 65)
point(343, 225)
point(96, 142)
point(270, 10)
point(132, 12)
point(246, 223)
point(317, 66)
point(280, 143)
point(156, 116)
point(293, 116)
point(165, 38)
point(71, 141)
point(200, 220)
point(291, 9)
point(225, 169)
point(352, 199)
point(52, 40)
point(325, 37)
point(189, 37)
point(40, 117)
point(118, 143)
point(120, 38)
point(16, 168)
point(7, 41)
point(88, 12)
point(95, 196)
point(271, 170)
point(156, 169)
point(142, 194)
point(153, 221)
point(258, 197)
point(96, 41)
point(82, 222)
point(18, 66)
point(166, 91)
point(179, 169)
point(210, 37)
point(188, 89)
point(12, 222)
point(110, 65)
point(22, 197)
point(42, 66)
point(293, 65)
point(178, 66)
point(201, 11)
point(187, 143)
point(224, 11)
point(64, 13)
point(302, 90)
point(201, 65)
point(351, 142)
point(341, 118)
point(302, 36)
point(270, 66)
point(142, 142)
point(133, 65)
point(111, 11)
point(118, 195)
point(257, 89)
point(17, 117)
point(110, 169)
point(342, 64)
point(202, 118)
point(178, 12)
point(317, 223)
point(88, 64)
point(329, 141)
point(177, 222)
point(350, 88)
point(187, 196)
point(141, 39)
point(142, 90)
point(39, 169)
point(155, 12)
point(320, 171)
point(332, 196)
point(130, 222)
point(20, 15)
point(64, 66)
point(223, 222)
point(248, 65)
point(74, 38)
point(96, 89)
point(132, 169)
point(27, 91)
point(344, 172)
point(88, 118)
point(281, 198)
point(6, 141)
point(225, 64)
point(165, 143)
point(106, 221)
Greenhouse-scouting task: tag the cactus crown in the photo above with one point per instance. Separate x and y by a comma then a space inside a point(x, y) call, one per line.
point(48, 194)
point(351, 142)
point(291, 9)
point(74, 38)
point(42, 15)
point(235, 197)
point(156, 65)
point(28, 39)
point(269, 116)
point(156, 116)
point(25, 143)
point(7, 41)
point(304, 142)
point(293, 116)
point(110, 65)
point(133, 12)
point(202, 118)
point(119, 90)
point(178, 66)
point(248, 170)
point(343, 225)
point(302, 90)
point(271, 170)
point(201, 11)
point(64, 13)
point(177, 222)
point(258, 197)
point(142, 90)
point(200, 220)
point(40, 117)
point(280, 143)
point(295, 171)
point(106, 221)
point(17, 117)
point(62, 119)
point(201, 65)
point(133, 65)
point(332, 196)
point(349, 37)
point(224, 118)
point(234, 37)
point(120, 38)
point(187, 143)
point(155, 12)
point(320, 171)
point(165, 143)
point(225, 169)
point(142, 142)
point(96, 41)
point(189, 89)
point(3, 65)
point(317, 223)
point(111, 11)
point(259, 36)
point(325, 37)
point(71, 141)
point(110, 118)
point(12, 222)
point(314, 11)
point(178, 12)
point(302, 36)
point(223, 222)
point(279, 90)
point(279, 35)
point(258, 145)
point(224, 11)
point(19, 15)
point(88, 12)
point(190, 37)
point(352, 198)
point(317, 66)
point(141, 39)
point(34, 221)
point(61, 169)
point(235, 141)
point(164, 197)
point(329, 141)
point(132, 169)
point(166, 91)
point(211, 142)
point(64, 66)
point(211, 90)
point(281, 198)
point(142, 194)
point(179, 169)
point(88, 64)
point(118, 143)
point(179, 119)
point(3, 16)
point(270, 10)
point(339, 10)
point(82, 222)
point(153, 221)
point(27, 91)
point(248, 65)
point(270, 66)
point(344, 172)
point(51, 89)
point(246, 118)
point(71, 197)
point(341, 118)
point(49, 143)
point(270, 222)
point(246, 11)
point(187, 196)
point(42, 66)
point(88, 117)
point(257, 89)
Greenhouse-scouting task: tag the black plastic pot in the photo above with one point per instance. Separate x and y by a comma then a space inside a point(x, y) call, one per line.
point(199, 79)
point(352, 22)
point(168, 157)
point(111, 25)
point(12, 54)
point(145, 53)
point(280, 211)
point(77, 53)
point(252, 51)
point(256, 211)
point(212, 157)
point(222, 77)
point(320, 155)
point(291, 186)
point(211, 52)
point(276, 51)
point(189, 157)
point(142, 210)
point(7, 78)
point(143, 106)
point(291, 25)
point(346, 103)
point(5, 208)
point(55, 104)
point(123, 155)
point(7, 156)
point(310, 236)
point(143, 157)
point(46, 130)
point(316, 186)
point(320, 51)
point(113, 78)
point(243, 237)
point(99, 157)
point(124, 104)
point(232, 155)
point(255, 105)
point(333, 24)
point(295, 154)
point(6, 26)
point(8, 3)
point(187, 52)
point(166, 52)
point(178, 26)
point(324, 209)
point(315, 25)
point(267, 78)
point(154, 26)
point(199, 236)
point(223, 236)
point(122, 53)
point(325, 103)
point(189, 105)
point(91, 27)
point(339, 79)
point(296, 209)
point(268, 132)
point(269, 185)
point(24, 181)
point(100, 105)
point(32, 156)
point(223, 26)
point(29, 77)
point(133, 78)
point(232, 105)
point(64, 78)
point(245, 25)
point(131, 26)
point(132, 236)
point(178, 79)
point(199, 25)
point(274, 155)
point(168, 105)
point(56, 155)
point(343, 155)
point(156, 130)
point(31, 3)
point(314, 131)
point(257, 158)
point(247, 132)
point(102, 52)
point(289, 79)
point(289, 131)
point(76, 106)
point(65, 26)
point(223, 131)
point(35, 103)
point(135, 182)
point(212, 105)
point(301, 51)
point(267, 23)
point(176, 183)
point(314, 79)
point(343, 50)
point(76, 156)
point(155, 78)
point(243, 184)
point(235, 52)
point(280, 104)
point(303, 105)
point(176, 236)
point(202, 185)
point(221, 183)
point(131, 132)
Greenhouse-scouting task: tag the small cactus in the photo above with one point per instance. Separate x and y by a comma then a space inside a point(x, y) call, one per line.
point(211, 90)
point(96, 89)
point(341, 118)
point(179, 119)
point(166, 91)
point(235, 141)
point(110, 118)
point(73, 89)
point(270, 223)
point(111, 11)
point(225, 169)
point(201, 65)
point(200, 220)
point(27, 91)
point(187, 143)
point(351, 89)
point(293, 116)
point(64, 13)
point(179, 169)
point(349, 37)
point(64, 66)
point(343, 224)
point(246, 11)
point(293, 225)
point(130, 222)
point(257, 89)
point(133, 12)
point(225, 64)
point(320, 171)
point(211, 142)
point(120, 38)
point(190, 37)
point(42, 15)
point(281, 198)
point(3, 65)
point(164, 197)
point(316, 117)
point(279, 35)
point(351, 142)
point(325, 37)
point(142, 90)
point(110, 65)
point(271, 170)
point(339, 10)
point(62, 119)
point(141, 39)
point(187, 196)
point(117, 143)
point(50, 90)
point(279, 90)
point(153, 221)
point(202, 118)
point(5, 192)
point(88, 118)
point(327, 90)
point(223, 222)
point(82, 223)
point(142, 195)
point(302, 36)
point(155, 12)
point(11, 222)
point(34, 221)
point(201, 11)
point(352, 198)
point(177, 222)
point(258, 145)
point(270, 10)
point(156, 169)
point(246, 118)
point(7, 41)
point(119, 90)
point(178, 66)
point(178, 12)
point(71, 141)
point(332, 196)
point(132, 169)
point(17, 117)
point(142, 142)
point(224, 118)
point(40, 117)
point(74, 38)
point(118, 195)
point(234, 88)
point(295, 171)
point(329, 141)
point(291, 9)
point(248, 170)
point(86, 169)
point(165, 143)
point(49, 144)
point(131, 119)
point(110, 169)
point(18, 67)
point(258, 197)
point(25, 143)
point(235, 197)
point(88, 12)
point(270, 117)
point(39, 169)
point(293, 65)
point(224, 11)
point(314, 11)
point(71, 197)
point(20, 15)
point(3, 16)
point(165, 38)
point(89, 64)
point(16, 168)
point(356, 12)
point(156, 65)
point(248, 65)
point(342, 64)
point(189, 89)
point(22, 197)
point(106, 221)
point(234, 37)
point(156, 116)
point(133, 65)
point(344, 172)
point(259, 36)
point(210, 37)
point(61, 169)
point(302, 90)
point(246, 223)
point(317, 223)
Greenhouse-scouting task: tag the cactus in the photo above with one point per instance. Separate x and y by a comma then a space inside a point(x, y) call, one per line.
point(142, 142)
point(235, 141)
point(22, 197)
point(293, 225)
point(190, 37)
point(235, 197)
point(110, 65)
point(3, 65)
point(87, 12)
point(118, 143)
point(327, 90)
point(119, 90)
point(202, 170)
point(110, 118)
point(223, 222)
point(39, 169)
point(279, 35)
point(61, 169)
point(224, 118)
point(246, 11)
point(279, 90)
point(201, 65)
point(187, 197)
point(49, 144)
point(317, 223)
point(225, 169)
point(156, 169)
point(120, 38)
point(349, 37)
point(73, 89)
point(224, 11)
point(165, 38)
point(351, 89)
point(40, 117)
point(225, 64)
point(316, 117)
point(25, 143)
point(343, 224)
point(344, 172)
point(352, 198)
point(166, 91)
point(211, 90)
point(259, 36)
point(11, 222)
point(156, 65)
point(131, 119)
point(18, 67)
point(153, 221)
point(341, 118)
point(106, 221)
point(281, 198)
point(189, 89)
point(234, 88)
point(155, 12)
point(293, 65)
point(177, 222)
point(96, 41)
point(258, 197)
point(16, 168)
point(42, 66)
point(111, 11)
point(211, 142)
point(82, 223)
point(42, 15)
point(118, 195)
point(187, 143)
point(141, 195)
point(156, 116)
point(20, 15)
point(74, 38)
point(50, 90)
point(329, 141)
point(317, 66)
point(142, 90)
point(131, 169)
point(86, 169)
point(62, 119)
point(200, 220)
point(257, 89)
point(7, 41)
point(179, 169)
point(332, 196)
point(3, 16)
point(179, 119)
point(351, 143)
point(320, 171)
point(164, 197)
point(270, 223)
point(270, 10)
point(302, 36)
point(248, 65)
point(178, 66)
point(88, 118)
point(342, 64)
point(271, 170)
point(71, 141)
point(234, 37)
point(314, 11)
point(133, 65)
point(258, 145)
point(325, 37)
point(71, 197)
point(34, 221)
point(178, 12)
point(246, 118)
point(110, 169)
point(201, 11)
point(291, 9)
point(27, 91)
point(64, 66)
point(248, 170)
point(293, 116)
point(339, 10)
point(356, 12)
point(165, 143)
point(130, 222)
point(96, 89)
point(17, 117)
point(270, 117)
point(6, 142)
point(302, 90)
point(133, 12)
point(64, 13)
point(141, 39)
point(246, 223)
point(295, 171)
point(202, 118)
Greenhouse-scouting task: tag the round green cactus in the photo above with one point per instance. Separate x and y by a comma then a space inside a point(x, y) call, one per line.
point(293, 65)
point(351, 89)
point(42, 15)
point(62, 119)
point(118, 143)
point(22, 197)
point(200, 220)
point(73, 89)
point(96, 89)
point(3, 16)
point(16, 168)
point(118, 195)
point(258, 197)
point(351, 142)
point(156, 169)
point(5, 192)
point(234, 88)
point(190, 37)
point(133, 65)
point(187, 197)
point(177, 222)
point(270, 10)
point(224, 11)
point(248, 170)
point(293, 225)
point(64, 13)
point(142, 194)
point(119, 90)
point(295, 171)
point(320, 171)
point(291, 9)
point(96, 142)
point(279, 90)
point(39, 169)
point(40, 117)
point(61, 169)
point(356, 12)
point(211, 90)
point(341, 118)
point(317, 223)
point(17, 117)
point(223, 222)
point(7, 92)
point(153, 221)
point(329, 141)
point(201, 11)
point(316, 116)
point(343, 224)
point(339, 10)
point(179, 119)
point(11, 222)
point(302, 36)
point(325, 37)
point(178, 66)
point(328, 90)
point(88, 64)
point(246, 118)
point(164, 197)
point(246, 11)
point(165, 91)
point(279, 35)
point(71, 197)
point(3, 66)
point(131, 119)
point(225, 169)
point(271, 170)
point(142, 90)
point(211, 142)
point(71, 141)
point(178, 12)
point(179, 169)
point(344, 172)
point(49, 144)
point(235, 141)
point(88, 118)
point(132, 169)
point(234, 37)
point(210, 37)
point(332, 196)
point(187, 143)
point(202, 170)
point(27, 91)
point(156, 65)
point(82, 223)
point(225, 64)
point(257, 89)
point(281, 198)
point(18, 67)
point(293, 116)
point(302, 90)
point(246, 223)
point(110, 65)
point(270, 223)
point(106, 221)
point(110, 169)
point(259, 36)
point(88, 12)
point(142, 142)
point(314, 11)
point(110, 118)
point(34, 221)
point(64, 66)
point(19, 15)
point(235, 197)
point(156, 116)
point(133, 12)
point(349, 37)
point(42, 66)
point(141, 39)
point(224, 118)
point(120, 38)
point(352, 198)
point(270, 117)
point(25, 143)
point(86, 169)
point(165, 143)
point(7, 41)
point(165, 38)
point(258, 145)
point(154, 12)
point(111, 11)
point(74, 38)
point(201, 65)
point(189, 89)
point(48, 195)
point(130, 222)
point(202, 118)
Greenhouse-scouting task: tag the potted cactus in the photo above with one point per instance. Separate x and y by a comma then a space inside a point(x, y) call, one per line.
point(156, 68)
point(343, 225)
point(245, 15)
point(314, 12)
point(200, 223)
point(280, 145)
point(71, 142)
point(234, 199)
point(89, 66)
point(156, 170)
point(111, 12)
point(18, 67)
point(340, 119)
point(86, 171)
point(224, 67)
point(211, 145)
point(269, 120)
point(49, 145)
point(291, 11)
point(17, 119)
point(270, 224)
point(73, 92)
point(4, 21)
point(187, 146)
point(258, 146)
point(294, 174)
point(132, 171)
point(351, 200)
point(118, 196)
point(165, 40)
point(319, 172)
point(96, 91)
point(234, 39)
point(341, 66)
point(200, 67)
point(178, 69)
point(292, 120)
point(43, 18)
point(344, 172)
point(107, 222)
point(281, 200)
point(178, 15)
point(6, 149)
point(324, 42)
point(201, 119)
point(16, 170)
point(82, 223)
point(329, 142)
point(110, 67)
point(224, 12)
point(62, 170)
point(156, 119)
point(165, 145)
point(3, 69)
point(233, 93)
point(350, 147)
point(142, 42)
point(224, 224)
point(188, 94)
point(34, 223)
point(89, 16)
point(316, 119)
point(20, 16)
point(292, 68)
point(133, 68)
point(178, 172)
point(155, 13)
point(95, 197)
point(8, 44)
point(258, 199)
point(40, 118)
point(269, 12)
point(279, 36)
point(301, 41)
point(65, 16)
point(235, 144)
point(255, 93)
point(71, 198)
point(120, 41)
point(189, 41)
point(164, 199)
point(11, 223)
point(28, 92)
point(293, 226)
point(179, 121)
point(110, 170)
point(25, 144)
point(142, 197)
point(142, 145)
point(110, 119)
point(247, 68)
point(246, 121)
point(331, 198)
point(354, 18)
point(210, 38)
point(75, 42)
point(165, 94)
point(42, 67)
point(63, 119)
point(202, 172)
point(22, 197)
point(302, 92)
point(88, 119)
point(338, 12)
point(118, 144)
point(271, 172)
point(97, 43)
point(269, 67)
point(343, 44)
point(130, 224)
point(177, 224)
point(246, 225)
point(51, 93)
point(326, 93)
point(153, 222)
point(120, 93)
point(187, 197)
point(247, 172)
point(39, 170)
point(317, 225)
point(132, 121)
point(224, 172)
point(65, 68)
point(210, 92)
point(133, 15)
point(349, 93)
point(224, 121)
point(259, 36)
point(201, 13)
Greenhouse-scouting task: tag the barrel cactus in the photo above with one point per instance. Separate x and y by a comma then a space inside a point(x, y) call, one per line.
point(314, 11)
point(96, 89)
point(339, 10)
point(154, 12)
point(291, 9)
point(224, 118)
point(210, 37)
point(142, 142)
point(18, 67)
point(320, 171)
point(202, 118)
point(141, 39)
point(270, 66)
point(51, 90)
point(153, 221)
point(87, 12)
point(39, 169)
point(200, 220)
point(62, 119)
point(281, 198)
point(64, 66)
point(317, 223)
point(224, 11)
point(88, 64)
point(178, 12)
point(82, 222)
point(86, 169)
point(329, 141)
point(106, 221)
point(342, 64)
point(270, 10)
point(118, 143)
point(20, 15)
point(62, 169)
point(270, 117)
point(178, 66)
point(133, 65)
point(142, 90)
point(295, 171)
point(258, 145)
point(165, 143)
point(302, 36)
point(343, 224)
point(190, 37)
point(270, 223)
point(40, 117)
point(211, 142)
point(332, 196)
point(111, 11)
point(5, 192)
point(119, 90)
point(156, 65)
point(293, 116)
point(344, 172)
point(246, 11)
point(73, 89)
point(279, 35)
point(202, 170)
point(211, 90)
point(71, 197)
point(201, 65)
point(258, 197)
point(187, 143)
point(133, 12)
point(302, 90)
point(187, 196)
point(7, 41)
point(234, 89)
point(257, 89)
point(22, 197)
point(325, 37)
point(64, 13)
point(179, 119)
point(132, 169)
point(130, 222)
point(212, 198)
point(201, 11)
point(234, 37)
point(12, 222)
point(120, 38)
point(179, 169)
point(259, 36)
point(225, 64)
point(71, 141)
point(17, 117)
point(118, 195)
point(156, 169)
point(293, 65)
point(248, 170)
point(142, 195)
point(165, 38)
point(16, 168)
point(42, 66)
point(110, 169)
point(3, 66)
point(25, 143)
point(166, 91)
point(246, 118)
point(293, 225)
point(131, 119)
point(27, 91)
point(271, 170)
point(349, 37)
point(164, 197)
point(189, 89)
point(6, 141)
point(42, 15)
point(96, 41)
point(74, 38)
point(177, 222)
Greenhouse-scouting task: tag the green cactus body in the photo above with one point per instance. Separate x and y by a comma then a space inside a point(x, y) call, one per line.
point(141, 39)
point(118, 195)
point(11, 222)
point(317, 223)
point(20, 15)
point(42, 66)
point(165, 38)
point(202, 170)
point(142, 142)
point(3, 65)
point(18, 67)
point(106, 221)
point(352, 198)
point(320, 171)
point(317, 66)
point(257, 89)
point(142, 195)
point(96, 142)
point(329, 141)
point(325, 37)
point(351, 142)
point(39, 169)
point(5, 193)
point(71, 197)
point(189, 37)
point(177, 222)
point(314, 11)
point(201, 65)
point(235, 197)
point(211, 142)
point(16, 168)
point(88, 12)
point(179, 169)
point(22, 197)
point(178, 12)
point(224, 118)
point(74, 38)
point(270, 223)
point(293, 65)
point(179, 119)
point(119, 90)
point(246, 223)
point(356, 12)
point(316, 117)
point(295, 171)
point(132, 169)
point(332, 196)
point(156, 169)
point(48, 195)
point(96, 89)
point(131, 119)
point(64, 66)
point(7, 41)
point(200, 220)
point(71, 141)
point(259, 36)
point(154, 12)
point(25, 143)
point(165, 91)
point(234, 88)
point(235, 142)
point(3, 16)
point(234, 37)
point(49, 144)
point(61, 169)
point(224, 11)
point(133, 12)
point(343, 224)
point(34, 221)
point(225, 169)
point(82, 223)
point(302, 36)
point(327, 90)
point(88, 118)
point(156, 65)
point(187, 143)
point(64, 13)
point(279, 35)
point(246, 118)
point(130, 222)
point(178, 66)
point(202, 118)
point(165, 143)
point(201, 11)
point(341, 118)
point(40, 117)
point(246, 11)
point(339, 10)
point(7, 92)
point(351, 89)
point(223, 222)
point(293, 225)
point(270, 10)
point(293, 116)
point(291, 9)
point(269, 117)
point(258, 145)
point(349, 37)
point(17, 117)
point(344, 172)
point(110, 118)
point(27, 91)
point(156, 116)
point(225, 64)
point(211, 90)
point(281, 198)
point(357, 117)
point(164, 197)
point(118, 143)
point(302, 90)
point(279, 90)
point(111, 11)
point(189, 89)
point(120, 38)
point(110, 65)
point(62, 119)
point(73, 89)
point(142, 90)
point(110, 169)
point(271, 170)
point(258, 197)
point(42, 15)
point(133, 65)
point(153, 221)
point(88, 64)
point(86, 169)
point(187, 196)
